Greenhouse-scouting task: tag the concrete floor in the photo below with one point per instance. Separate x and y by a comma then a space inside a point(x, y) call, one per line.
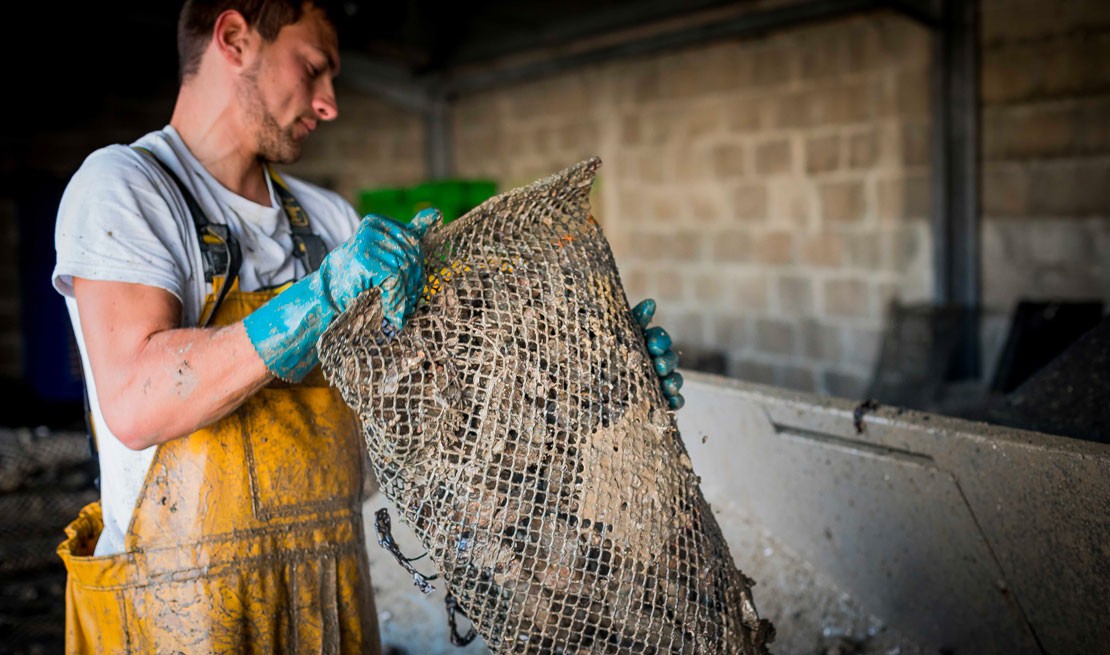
point(811, 615)
point(410, 622)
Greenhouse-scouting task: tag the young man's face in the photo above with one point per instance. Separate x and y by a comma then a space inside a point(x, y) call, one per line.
point(289, 88)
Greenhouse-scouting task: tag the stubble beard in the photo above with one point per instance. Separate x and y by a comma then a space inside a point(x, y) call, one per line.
point(275, 144)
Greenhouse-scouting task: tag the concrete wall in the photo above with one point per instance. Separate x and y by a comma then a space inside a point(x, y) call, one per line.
point(1046, 151)
point(773, 193)
point(371, 144)
point(770, 193)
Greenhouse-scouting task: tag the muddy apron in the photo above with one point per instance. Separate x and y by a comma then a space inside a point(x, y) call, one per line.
point(247, 536)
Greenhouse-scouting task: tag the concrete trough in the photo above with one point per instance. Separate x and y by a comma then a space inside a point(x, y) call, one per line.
point(965, 537)
point(874, 531)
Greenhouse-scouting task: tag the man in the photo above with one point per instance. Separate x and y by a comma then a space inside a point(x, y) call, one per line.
point(229, 518)
point(230, 514)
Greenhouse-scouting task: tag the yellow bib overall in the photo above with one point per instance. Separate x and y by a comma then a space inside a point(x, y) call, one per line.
point(247, 536)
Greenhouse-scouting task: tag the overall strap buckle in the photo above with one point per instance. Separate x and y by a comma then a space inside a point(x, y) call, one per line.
point(219, 250)
point(308, 247)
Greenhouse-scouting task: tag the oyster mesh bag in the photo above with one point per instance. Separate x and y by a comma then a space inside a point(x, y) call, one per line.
point(519, 428)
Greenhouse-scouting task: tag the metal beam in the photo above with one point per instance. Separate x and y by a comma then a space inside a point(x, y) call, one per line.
point(390, 83)
point(746, 24)
point(503, 29)
point(956, 216)
point(438, 154)
point(926, 12)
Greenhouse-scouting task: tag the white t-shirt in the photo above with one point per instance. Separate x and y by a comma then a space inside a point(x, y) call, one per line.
point(123, 219)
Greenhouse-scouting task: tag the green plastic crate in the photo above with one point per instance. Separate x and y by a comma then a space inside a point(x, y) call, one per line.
point(479, 191)
point(446, 195)
point(452, 197)
point(393, 203)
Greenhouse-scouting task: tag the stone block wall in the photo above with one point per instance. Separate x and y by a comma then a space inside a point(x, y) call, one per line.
point(770, 193)
point(371, 144)
point(1046, 151)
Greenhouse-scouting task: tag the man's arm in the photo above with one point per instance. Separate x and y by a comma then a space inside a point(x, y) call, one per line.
point(155, 381)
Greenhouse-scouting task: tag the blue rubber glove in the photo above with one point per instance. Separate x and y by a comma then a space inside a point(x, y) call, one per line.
point(663, 359)
point(382, 253)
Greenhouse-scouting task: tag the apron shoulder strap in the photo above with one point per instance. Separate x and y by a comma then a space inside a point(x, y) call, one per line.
point(219, 249)
point(307, 245)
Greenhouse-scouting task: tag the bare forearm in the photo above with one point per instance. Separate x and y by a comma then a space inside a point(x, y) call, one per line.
point(178, 381)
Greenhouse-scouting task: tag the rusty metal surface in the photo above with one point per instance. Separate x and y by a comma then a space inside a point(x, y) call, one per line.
point(965, 536)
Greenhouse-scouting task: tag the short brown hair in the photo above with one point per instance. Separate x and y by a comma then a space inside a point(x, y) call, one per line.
point(198, 18)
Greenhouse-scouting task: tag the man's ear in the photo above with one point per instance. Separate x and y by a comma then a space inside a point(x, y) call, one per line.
point(233, 38)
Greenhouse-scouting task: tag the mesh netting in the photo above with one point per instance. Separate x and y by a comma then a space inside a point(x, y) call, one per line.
point(519, 428)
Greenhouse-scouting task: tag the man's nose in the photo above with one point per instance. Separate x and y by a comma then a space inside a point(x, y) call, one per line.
point(324, 104)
